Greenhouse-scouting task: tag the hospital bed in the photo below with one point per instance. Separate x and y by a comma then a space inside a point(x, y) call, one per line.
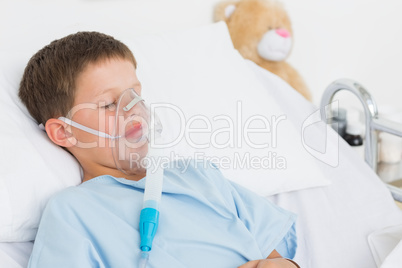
point(339, 199)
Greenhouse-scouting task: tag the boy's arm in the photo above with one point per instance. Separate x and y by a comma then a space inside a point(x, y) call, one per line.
point(274, 260)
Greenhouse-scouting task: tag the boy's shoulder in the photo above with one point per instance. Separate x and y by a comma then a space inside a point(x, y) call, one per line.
point(76, 196)
point(64, 201)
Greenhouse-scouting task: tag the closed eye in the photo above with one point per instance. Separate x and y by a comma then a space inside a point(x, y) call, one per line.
point(110, 106)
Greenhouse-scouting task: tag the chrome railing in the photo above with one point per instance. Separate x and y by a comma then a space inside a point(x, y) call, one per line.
point(374, 123)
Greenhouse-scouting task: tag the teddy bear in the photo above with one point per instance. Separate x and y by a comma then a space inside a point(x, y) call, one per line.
point(261, 31)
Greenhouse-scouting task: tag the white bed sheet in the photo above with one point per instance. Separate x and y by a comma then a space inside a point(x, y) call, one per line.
point(394, 259)
point(386, 245)
point(334, 221)
point(15, 255)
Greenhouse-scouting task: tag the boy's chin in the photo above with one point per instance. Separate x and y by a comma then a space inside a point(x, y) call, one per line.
point(135, 162)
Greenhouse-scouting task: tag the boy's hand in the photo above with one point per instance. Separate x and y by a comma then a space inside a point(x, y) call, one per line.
point(269, 263)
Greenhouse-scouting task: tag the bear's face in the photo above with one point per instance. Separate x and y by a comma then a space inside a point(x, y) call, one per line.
point(260, 29)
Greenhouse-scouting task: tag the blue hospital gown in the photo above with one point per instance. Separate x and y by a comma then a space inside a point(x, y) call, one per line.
point(205, 221)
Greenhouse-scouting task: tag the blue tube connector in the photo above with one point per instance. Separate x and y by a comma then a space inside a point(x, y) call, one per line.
point(149, 219)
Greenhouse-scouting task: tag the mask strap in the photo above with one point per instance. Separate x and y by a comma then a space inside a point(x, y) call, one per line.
point(86, 129)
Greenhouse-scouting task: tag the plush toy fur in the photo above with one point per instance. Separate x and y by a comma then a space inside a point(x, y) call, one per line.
point(248, 21)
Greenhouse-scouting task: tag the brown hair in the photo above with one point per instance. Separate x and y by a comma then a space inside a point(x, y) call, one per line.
point(47, 87)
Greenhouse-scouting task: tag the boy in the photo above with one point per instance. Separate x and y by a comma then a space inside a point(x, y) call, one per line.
point(205, 221)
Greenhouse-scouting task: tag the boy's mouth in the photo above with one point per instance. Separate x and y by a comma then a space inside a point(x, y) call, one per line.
point(134, 131)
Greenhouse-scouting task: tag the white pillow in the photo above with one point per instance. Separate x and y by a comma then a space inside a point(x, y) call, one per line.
point(32, 168)
point(196, 69)
point(210, 82)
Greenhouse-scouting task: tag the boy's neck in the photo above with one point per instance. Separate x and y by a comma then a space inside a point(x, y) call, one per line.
point(93, 173)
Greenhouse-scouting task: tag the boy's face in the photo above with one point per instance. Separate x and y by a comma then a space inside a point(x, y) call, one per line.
point(98, 88)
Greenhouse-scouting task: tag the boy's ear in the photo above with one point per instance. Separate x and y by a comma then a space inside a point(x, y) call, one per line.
point(224, 10)
point(58, 132)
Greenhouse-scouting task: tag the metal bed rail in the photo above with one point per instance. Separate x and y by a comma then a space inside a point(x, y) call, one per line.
point(373, 122)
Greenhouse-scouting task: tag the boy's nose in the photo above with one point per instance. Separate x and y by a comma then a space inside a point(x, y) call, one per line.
point(283, 32)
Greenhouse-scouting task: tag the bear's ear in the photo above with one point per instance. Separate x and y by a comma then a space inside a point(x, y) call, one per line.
point(224, 10)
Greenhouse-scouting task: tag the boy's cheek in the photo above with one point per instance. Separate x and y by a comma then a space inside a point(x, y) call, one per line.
point(86, 140)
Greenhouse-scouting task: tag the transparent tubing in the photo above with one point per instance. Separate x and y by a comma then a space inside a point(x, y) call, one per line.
point(144, 260)
point(138, 130)
point(149, 218)
point(154, 180)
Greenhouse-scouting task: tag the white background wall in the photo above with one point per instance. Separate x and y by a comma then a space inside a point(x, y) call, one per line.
point(359, 39)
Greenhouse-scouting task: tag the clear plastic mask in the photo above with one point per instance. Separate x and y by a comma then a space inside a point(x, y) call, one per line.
point(135, 126)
